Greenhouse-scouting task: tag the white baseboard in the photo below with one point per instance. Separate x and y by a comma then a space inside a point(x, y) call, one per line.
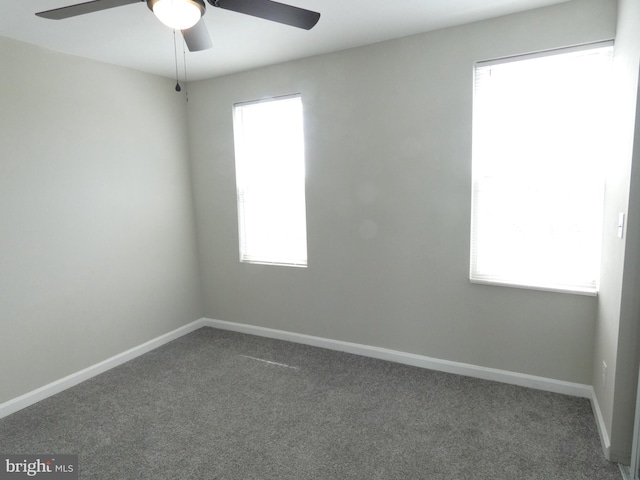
point(28, 399)
point(504, 376)
point(626, 472)
point(602, 428)
point(475, 371)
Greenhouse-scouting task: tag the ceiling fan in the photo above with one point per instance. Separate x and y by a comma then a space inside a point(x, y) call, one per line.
point(186, 15)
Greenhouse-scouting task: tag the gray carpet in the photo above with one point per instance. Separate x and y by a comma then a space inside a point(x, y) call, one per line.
point(208, 406)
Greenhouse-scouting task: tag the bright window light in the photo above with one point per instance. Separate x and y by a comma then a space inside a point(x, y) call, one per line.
point(539, 145)
point(270, 176)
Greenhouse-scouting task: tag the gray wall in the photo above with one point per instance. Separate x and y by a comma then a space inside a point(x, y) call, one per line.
point(97, 243)
point(388, 137)
point(619, 307)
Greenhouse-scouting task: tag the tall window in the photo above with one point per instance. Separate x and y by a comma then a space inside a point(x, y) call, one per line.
point(539, 145)
point(270, 175)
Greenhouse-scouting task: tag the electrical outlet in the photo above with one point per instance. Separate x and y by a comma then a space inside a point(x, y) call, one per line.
point(604, 374)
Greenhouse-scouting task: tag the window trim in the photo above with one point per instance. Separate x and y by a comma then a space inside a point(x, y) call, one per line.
point(587, 292)
point(545, 53)
point(476, 278)
point(244, 258)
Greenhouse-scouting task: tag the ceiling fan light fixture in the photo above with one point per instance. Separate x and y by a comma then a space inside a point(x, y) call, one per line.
point(177, 14)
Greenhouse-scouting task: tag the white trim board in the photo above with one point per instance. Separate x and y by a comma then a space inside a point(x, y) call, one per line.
point(626, 472)
point(469, 370)
point(602, 428)
point(475, 371)
point(504, 376)
point(34, 396)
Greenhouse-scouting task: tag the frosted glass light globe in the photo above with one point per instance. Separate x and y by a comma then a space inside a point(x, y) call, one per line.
point(178, 14)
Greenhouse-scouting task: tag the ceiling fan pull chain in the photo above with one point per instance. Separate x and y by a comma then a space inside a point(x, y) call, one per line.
point(184, 61)
point(175, 53)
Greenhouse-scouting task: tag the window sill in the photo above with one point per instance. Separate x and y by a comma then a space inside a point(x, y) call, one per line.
point(574, 291)
point(274, 264)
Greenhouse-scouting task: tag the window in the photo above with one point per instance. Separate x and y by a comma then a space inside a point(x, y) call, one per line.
point(270, 176)
point(539, 144)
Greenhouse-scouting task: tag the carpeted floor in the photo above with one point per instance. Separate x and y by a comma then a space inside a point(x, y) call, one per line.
point(222, 405)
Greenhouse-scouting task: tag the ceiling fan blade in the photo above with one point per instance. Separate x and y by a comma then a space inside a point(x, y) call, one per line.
point(82, 8)
point(269, 10)
point(197, 37)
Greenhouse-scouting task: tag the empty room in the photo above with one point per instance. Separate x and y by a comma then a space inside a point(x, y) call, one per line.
point(320, 239)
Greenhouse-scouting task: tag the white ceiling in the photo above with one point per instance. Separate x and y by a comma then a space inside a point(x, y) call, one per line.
point(132, 37)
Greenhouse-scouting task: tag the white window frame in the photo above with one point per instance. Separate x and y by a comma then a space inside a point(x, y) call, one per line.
point(484, 269)
point(270, 180)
